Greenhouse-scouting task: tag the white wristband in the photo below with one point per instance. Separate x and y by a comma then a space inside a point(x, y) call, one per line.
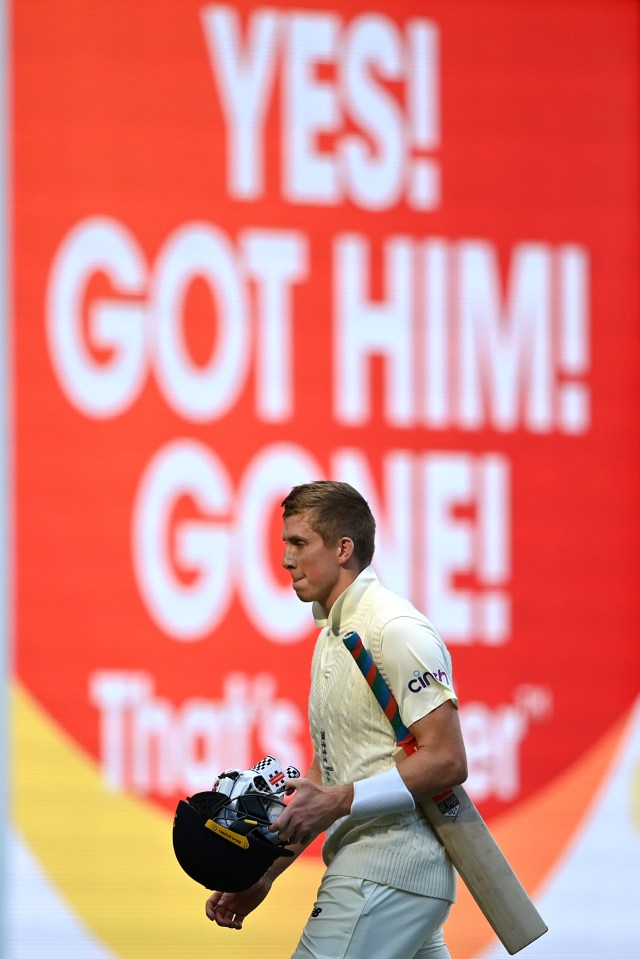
point(382, 794)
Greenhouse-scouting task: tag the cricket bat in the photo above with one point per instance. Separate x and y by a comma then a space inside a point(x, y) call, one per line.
point(463, 833)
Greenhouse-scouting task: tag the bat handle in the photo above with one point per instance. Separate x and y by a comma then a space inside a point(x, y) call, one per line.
point(380, 690)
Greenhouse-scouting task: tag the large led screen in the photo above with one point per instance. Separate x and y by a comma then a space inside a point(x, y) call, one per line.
point(251, 245)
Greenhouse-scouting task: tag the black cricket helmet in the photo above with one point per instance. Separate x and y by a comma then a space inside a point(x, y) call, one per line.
point(222, 841)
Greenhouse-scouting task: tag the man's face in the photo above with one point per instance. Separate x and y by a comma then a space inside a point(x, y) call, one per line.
point(314, 567)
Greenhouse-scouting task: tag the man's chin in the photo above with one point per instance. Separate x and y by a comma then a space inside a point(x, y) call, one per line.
point(299, 590)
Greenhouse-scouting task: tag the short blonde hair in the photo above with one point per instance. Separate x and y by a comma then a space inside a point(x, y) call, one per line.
point(335, 510)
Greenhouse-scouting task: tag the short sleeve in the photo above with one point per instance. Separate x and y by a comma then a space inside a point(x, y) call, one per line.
point(418, 666)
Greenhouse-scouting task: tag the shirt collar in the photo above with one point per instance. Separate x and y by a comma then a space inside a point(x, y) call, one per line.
point(346, 603)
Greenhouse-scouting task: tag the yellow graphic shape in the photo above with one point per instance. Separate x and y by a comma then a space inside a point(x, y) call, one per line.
point(111, 858)
point(110, 855)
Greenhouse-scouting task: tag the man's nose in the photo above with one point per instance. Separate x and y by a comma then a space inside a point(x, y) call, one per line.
point(287, 559)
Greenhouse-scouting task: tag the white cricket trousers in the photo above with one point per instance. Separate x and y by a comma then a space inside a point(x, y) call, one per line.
point(359, 919)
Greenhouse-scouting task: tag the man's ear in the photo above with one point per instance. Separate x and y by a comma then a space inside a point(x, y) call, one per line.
point(346, 549)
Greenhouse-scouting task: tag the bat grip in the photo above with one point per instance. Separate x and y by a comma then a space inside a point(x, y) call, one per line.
point(384, 696)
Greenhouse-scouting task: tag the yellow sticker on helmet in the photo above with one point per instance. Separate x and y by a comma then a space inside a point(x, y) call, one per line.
point(228, 834)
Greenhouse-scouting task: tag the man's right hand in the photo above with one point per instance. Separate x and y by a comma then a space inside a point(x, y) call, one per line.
point(230, 909)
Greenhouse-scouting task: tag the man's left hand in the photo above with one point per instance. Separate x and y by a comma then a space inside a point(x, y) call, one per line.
point(312, 810)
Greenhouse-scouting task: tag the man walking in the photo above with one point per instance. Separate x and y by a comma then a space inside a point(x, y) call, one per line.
point(389, 885)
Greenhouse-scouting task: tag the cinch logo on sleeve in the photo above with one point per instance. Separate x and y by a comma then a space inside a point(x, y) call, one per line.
point(421, 680)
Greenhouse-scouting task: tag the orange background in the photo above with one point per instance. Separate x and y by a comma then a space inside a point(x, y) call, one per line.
point(115, 114)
